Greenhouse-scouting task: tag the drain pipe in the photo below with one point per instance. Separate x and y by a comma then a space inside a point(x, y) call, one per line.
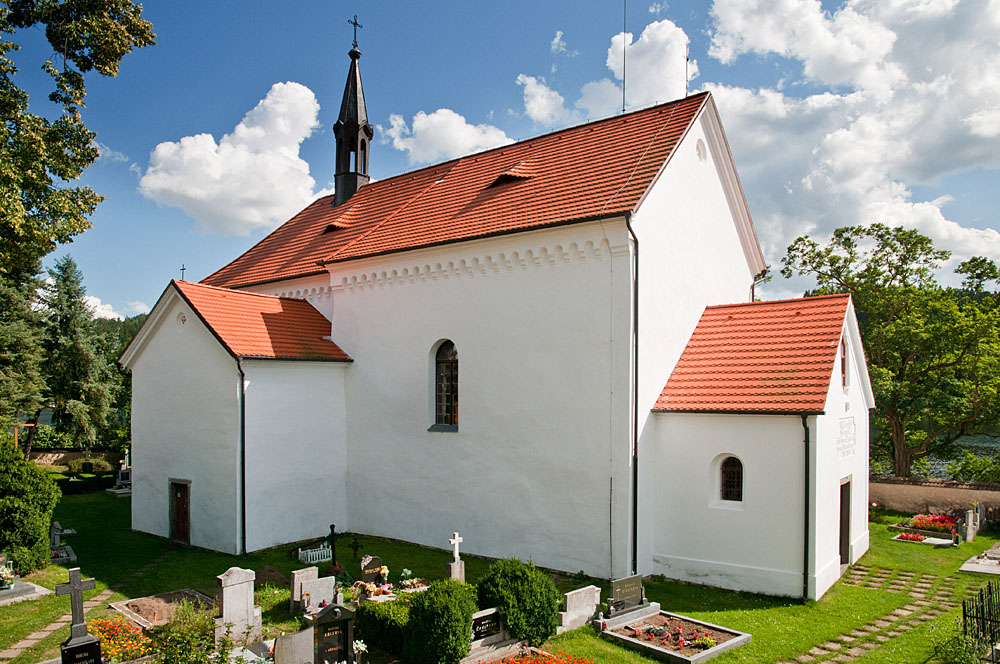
point(243, 458)
point(805, 520)
point(635, 395)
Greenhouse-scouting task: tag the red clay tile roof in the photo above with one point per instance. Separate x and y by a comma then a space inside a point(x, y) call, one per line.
point(759, 357)
point(597, 169)
point(265, 326)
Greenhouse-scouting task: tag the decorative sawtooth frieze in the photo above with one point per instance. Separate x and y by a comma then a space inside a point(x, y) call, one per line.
point(485, 265)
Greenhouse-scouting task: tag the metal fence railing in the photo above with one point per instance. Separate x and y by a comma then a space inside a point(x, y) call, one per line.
point(981, 617)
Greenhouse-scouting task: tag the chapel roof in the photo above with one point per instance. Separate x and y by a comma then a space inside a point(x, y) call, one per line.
point(593, 170)
point(253, 325)
point(759, 357)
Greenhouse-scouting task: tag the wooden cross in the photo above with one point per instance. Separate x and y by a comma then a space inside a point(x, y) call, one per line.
point(356, 26)
point(75, 589)
point(455, 541)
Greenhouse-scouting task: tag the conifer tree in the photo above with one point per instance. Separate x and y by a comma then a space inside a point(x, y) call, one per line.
point(81, 384)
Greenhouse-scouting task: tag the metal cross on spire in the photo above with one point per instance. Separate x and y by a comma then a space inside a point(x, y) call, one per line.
point(356, 26)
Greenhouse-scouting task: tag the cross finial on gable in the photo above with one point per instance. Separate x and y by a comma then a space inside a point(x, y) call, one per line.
point(356, 26)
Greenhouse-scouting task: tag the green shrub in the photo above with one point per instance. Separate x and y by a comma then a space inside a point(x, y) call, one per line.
point(48, 438)
point(27, 498)
point(189, 638)
point(957, 648)
point(76, 465)
point(440, 627)
point(526, 599)
point(383, 623)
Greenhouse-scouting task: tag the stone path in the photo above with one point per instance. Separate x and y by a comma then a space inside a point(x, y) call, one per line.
point(929, 595)
point(63, 621)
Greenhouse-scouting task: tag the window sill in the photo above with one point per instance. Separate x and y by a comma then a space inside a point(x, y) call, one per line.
point(732, 505)
point(443, 427)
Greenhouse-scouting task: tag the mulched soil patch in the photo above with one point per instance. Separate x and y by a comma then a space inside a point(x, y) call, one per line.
point(670, 633)
point(159, 609)
point(268, 574)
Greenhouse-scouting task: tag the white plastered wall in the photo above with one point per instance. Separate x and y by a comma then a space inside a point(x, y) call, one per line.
point(753, 545)
point(541, 324)
point(185, 427)
point(841, 454)
point(690, 256)
point(296, 450)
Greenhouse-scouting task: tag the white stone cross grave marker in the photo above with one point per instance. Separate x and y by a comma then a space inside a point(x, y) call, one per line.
point(456, 568)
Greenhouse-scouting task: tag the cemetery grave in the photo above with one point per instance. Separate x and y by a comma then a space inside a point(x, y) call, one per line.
point(148, 612)
point(640, 625)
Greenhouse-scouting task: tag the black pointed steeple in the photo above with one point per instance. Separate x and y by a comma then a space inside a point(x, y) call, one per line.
point(354, 135)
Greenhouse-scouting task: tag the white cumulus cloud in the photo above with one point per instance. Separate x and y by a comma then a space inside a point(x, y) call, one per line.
point(543, 104)
point(443, 134)
point(251, 178)
point(135, 307)
point(100, 309)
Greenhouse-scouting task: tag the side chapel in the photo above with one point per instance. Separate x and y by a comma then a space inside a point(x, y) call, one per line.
point(551, 347)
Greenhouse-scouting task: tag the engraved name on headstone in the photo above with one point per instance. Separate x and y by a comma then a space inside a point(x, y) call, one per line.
point(484, 626)
point(371, 567)
point(626, 593)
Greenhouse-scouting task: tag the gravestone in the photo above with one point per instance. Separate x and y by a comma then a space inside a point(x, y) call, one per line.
point(580, 607)
point(80, 647)
point(317, 593)
point(626, 595)
point(332, 539)
point(371, 567)
point(456, 568)
point(238, 613)
point(333, 635)
point(294, 648)
point(490, 639)
point(298, 577)
point(54, 531)
point(970, 526)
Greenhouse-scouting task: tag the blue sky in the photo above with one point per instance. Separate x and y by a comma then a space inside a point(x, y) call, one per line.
point(837, 113)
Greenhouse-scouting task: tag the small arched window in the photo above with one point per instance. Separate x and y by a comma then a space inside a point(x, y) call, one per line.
point(732, 479)
point(446, 385)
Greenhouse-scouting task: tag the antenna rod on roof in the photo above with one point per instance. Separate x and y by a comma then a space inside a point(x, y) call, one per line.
point(687, 47)
point(624, 12)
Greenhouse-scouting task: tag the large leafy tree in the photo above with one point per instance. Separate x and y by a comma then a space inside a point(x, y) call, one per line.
point(40, 156)
point(21, 381)
point(117, 431)
point(81, 382)
point(933, 353)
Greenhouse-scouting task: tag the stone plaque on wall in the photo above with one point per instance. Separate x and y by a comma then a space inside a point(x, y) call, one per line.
point(846, 438)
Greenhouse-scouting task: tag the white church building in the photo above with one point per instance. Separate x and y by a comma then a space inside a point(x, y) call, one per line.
point(550, 347)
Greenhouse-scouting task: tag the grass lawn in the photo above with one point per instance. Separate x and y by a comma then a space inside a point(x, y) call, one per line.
point(110, 552)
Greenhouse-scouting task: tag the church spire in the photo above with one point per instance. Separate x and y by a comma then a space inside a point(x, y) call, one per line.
point(352, 131)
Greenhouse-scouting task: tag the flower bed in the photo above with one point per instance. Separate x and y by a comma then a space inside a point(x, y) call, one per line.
point(675, 638)
point(939, 523)
point(120, 639)
point(910, 537)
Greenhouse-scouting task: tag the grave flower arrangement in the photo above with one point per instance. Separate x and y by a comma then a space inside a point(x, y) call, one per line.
point(407, 581)
point(121, 640)
point(7, 575)
point(372, 589)
point(911, 537)
point(673, 635)
point(941, 523)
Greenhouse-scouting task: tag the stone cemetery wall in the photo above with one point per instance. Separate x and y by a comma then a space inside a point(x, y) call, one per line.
point(934, 496)
point(62, 457)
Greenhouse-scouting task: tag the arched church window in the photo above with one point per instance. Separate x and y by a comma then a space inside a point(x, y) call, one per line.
point(732, 479)
point(446, 385)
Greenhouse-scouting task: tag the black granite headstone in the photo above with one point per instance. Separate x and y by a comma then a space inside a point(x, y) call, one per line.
point(333, 635)
point(484, 626)
point(626, 593)
point(86, 650)
point(371, 569)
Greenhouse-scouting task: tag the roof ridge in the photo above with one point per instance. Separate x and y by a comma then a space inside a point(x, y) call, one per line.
point(804, 298)
point(235, 291)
